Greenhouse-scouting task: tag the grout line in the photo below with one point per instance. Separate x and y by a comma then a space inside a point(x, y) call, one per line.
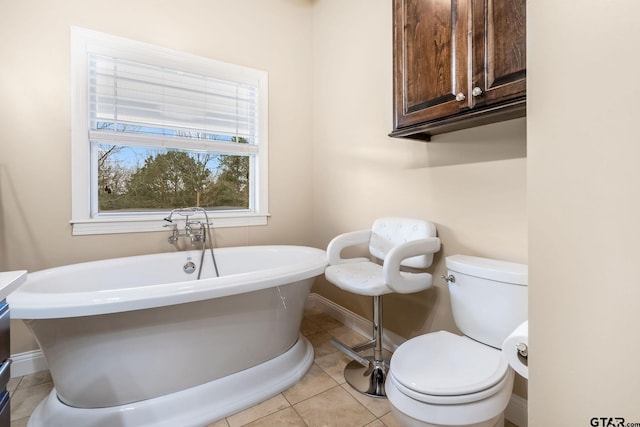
point(298, 414)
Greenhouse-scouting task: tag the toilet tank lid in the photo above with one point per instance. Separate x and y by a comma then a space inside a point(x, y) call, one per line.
point(486, 268)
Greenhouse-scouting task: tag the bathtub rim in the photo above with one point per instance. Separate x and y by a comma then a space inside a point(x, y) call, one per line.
point(26, 304)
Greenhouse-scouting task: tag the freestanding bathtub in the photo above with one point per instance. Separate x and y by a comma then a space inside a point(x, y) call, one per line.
point(138, 341)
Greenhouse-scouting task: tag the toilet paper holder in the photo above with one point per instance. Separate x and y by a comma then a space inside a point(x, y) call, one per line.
point(523, 353)
point(523, 350)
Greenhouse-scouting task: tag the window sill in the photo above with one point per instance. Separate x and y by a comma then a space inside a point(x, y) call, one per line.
point(132, 224)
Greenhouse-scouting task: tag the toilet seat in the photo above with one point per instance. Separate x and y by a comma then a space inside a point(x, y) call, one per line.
point(444, 368)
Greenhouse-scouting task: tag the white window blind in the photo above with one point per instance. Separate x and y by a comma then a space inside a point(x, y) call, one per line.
point(151, 101)
point(138, 101)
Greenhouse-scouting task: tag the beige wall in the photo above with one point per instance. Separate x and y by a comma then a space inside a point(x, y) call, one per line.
point(330, 85)
point(35, 125)
point(584, 211)
point(332, 167)
point(333, 59)
point(471, 184)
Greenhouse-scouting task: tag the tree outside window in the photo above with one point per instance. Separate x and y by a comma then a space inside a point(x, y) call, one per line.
point(166, 179)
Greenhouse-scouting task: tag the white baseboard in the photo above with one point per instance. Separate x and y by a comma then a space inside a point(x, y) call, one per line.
point(516, 411)
point(27, 363)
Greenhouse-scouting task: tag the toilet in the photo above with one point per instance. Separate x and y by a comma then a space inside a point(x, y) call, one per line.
point(444, 379)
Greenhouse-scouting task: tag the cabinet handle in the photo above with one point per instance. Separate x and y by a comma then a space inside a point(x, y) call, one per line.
point(476, 91)
point(460, 97)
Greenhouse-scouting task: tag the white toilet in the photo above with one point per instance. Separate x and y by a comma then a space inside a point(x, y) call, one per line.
point(444, 379)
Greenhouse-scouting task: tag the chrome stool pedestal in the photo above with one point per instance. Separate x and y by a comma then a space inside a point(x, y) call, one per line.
point(367, 374)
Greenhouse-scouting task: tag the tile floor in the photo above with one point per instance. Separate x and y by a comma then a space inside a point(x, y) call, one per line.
point(321, 398)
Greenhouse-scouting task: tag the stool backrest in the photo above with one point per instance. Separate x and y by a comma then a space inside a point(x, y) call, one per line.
point(387, 233)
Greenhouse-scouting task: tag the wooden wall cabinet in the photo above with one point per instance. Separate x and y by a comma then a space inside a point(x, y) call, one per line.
point(457, 64)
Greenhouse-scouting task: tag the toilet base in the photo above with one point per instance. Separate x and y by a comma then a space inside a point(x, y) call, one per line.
point(407, 421)
point(412, 413)
point(367, 380)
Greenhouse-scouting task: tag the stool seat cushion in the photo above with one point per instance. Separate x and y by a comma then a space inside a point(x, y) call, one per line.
point(363, 278)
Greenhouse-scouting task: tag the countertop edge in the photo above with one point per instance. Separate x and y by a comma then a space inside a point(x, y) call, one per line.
point(10, 280)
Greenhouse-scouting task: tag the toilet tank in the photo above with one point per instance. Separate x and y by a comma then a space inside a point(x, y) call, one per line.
point(488, 297)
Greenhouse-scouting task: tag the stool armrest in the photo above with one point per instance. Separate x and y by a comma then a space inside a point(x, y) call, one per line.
point(406, 283)
point(343, 241)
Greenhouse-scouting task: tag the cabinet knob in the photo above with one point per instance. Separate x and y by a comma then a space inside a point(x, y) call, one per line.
point(460, 97)
point(476, 91)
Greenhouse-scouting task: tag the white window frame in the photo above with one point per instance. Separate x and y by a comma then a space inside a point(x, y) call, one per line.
point(85, 41)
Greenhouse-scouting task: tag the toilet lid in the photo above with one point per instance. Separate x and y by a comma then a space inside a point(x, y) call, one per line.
point(444, 364)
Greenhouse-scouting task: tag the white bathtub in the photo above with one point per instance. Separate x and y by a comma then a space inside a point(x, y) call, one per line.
point(138, 342)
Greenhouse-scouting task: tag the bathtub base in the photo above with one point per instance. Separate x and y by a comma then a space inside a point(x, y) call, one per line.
point(195, 406)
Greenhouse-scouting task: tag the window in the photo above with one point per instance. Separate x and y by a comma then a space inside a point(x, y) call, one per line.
point(155, 129)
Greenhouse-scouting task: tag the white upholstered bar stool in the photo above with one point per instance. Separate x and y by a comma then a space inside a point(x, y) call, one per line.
point(396, 243)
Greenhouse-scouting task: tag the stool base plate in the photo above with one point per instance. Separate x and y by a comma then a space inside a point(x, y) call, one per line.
point(366, 380)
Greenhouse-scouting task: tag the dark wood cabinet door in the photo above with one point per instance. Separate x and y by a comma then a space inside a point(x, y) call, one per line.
point(499, 51)
point(457, 64)
point(430, 59)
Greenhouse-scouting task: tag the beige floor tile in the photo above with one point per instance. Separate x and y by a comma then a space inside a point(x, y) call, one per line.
point(221, 423)
point(287, 417)
point(347, 336)
point(258, 411)
point(13, 384)
point(314, 382)
point(25, 399)
point(390, 421)
point(38, 378)
point(317, 321)
point(321, 342)
point(377, 405)
point(323, 321)
point(307, 327)
point(375, 423)
point(333, 408)
point(22, 422)
point(333, 364)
